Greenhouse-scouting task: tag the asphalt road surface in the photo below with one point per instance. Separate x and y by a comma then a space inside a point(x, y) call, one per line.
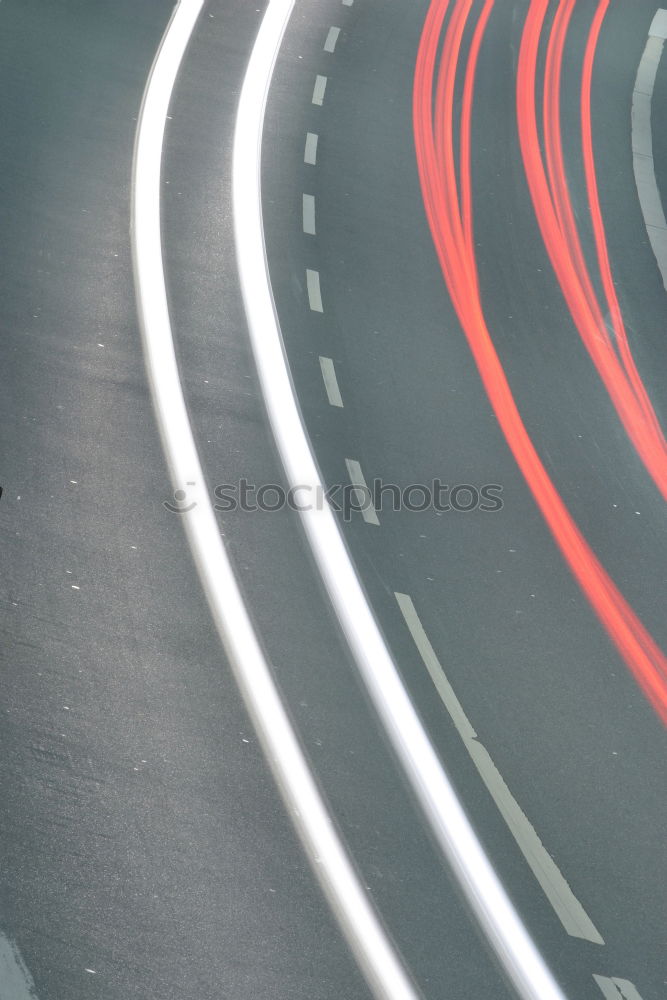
point(144, 850)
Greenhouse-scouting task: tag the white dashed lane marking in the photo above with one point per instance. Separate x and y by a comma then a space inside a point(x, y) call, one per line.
point(310, 152)
point(362, 492)
point(314, 293)
point(571, 913)
point(617, 989)
point(309, 214)
point(331, 39)
point(331, 382)
point(319, 88)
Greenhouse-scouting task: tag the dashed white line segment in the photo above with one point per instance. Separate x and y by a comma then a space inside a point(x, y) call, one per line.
point(617, 989)
point(331, 39)
point(310, 151)
point(331, 382)
point(309, 214)
point(314, 291)
point(363, 494)
point(319, 89)
point(571, 913)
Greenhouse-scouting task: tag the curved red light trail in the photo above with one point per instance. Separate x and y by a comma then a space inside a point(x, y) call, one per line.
point(598, 225)
point(450, 220)
point(553, 208)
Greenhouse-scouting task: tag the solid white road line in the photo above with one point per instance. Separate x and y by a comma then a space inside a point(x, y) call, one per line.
point(15, 981)
point(348, 3)
point(571, 913)
point(314, 292)
point(331, 382)
point(324, 848)
point(331, 39)
point(617, 989)
point(433, 790)
point(642, 142)
point(310, 152)
point(319, 88)
point(309, 214)
point(363, 494)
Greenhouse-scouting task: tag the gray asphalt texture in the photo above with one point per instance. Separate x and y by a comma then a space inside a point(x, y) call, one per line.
point(140, 833)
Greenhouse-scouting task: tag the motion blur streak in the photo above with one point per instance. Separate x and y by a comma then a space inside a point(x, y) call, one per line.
point(326, 852)
point(466, 119)
point(434, 145)
point(451, 829)
point(553, 208)
point(598, 225)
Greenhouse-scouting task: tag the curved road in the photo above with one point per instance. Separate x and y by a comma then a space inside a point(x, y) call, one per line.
point(144, 850)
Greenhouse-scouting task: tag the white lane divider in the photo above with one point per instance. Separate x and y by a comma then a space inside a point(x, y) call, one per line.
point(347, 3)
point(441, 807)
point(362, 493)
point(16, 983)
point(642, 142)
point(328, 857)
point(331, 382)
point(309, 214)
point(310, 151)
point(617, 989)
point(331, 39)
point(319, 88)
point(314, 291)
point(569, 910)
